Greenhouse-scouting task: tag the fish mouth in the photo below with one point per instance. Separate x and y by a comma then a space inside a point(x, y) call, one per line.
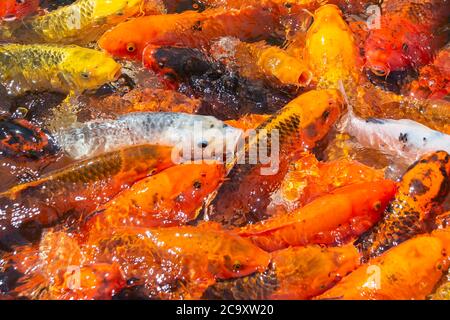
point(380, 71)
point(305, 78)
point(378, 68)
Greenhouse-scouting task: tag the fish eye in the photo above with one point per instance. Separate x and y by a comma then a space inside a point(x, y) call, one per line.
point(197, 184)
point(131, 47)
point(203, 144)
point(237, 265)
point(85, 75)
point(20, 1)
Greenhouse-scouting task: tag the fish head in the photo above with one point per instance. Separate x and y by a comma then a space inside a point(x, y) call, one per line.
point(240, 257)
point(174, 64)
point(217, 140)
point(200, 179)
point(321, 110)
point(387, 49)
point(205, 138)
point(328, 18)
point(377, 61)
point(127, 40)
point(330, 47)
point(89, 69)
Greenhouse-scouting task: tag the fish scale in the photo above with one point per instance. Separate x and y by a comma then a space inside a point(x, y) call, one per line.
point(110, 165)
point(55, 68)
point(258, 286)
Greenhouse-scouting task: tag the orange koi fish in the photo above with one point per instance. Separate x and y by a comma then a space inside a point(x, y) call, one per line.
point(172, 197)
point(374, 102)
point(408, 36)
point(180, 262)
point(332, 219)
point(285, 6)
point(256, 60)
point(409, 271)
point(192, 29)
point(294, 273)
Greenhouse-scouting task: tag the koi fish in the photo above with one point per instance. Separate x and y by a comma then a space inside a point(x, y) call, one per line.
point(11, 10)
point(225, 94)
point(23, 140)
point(172, 197)
point(404, 139)
point(406, 26)
point(410, 270)
point(330, 50)
point(55, 68)
point(194, 256)
point(272, 62)
point(421, 190)
point(80, 188)
point(78, 23)
point(243, 198)
point(294, 273)
point(192, 29)
point(331, 219)
point(205, 133)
